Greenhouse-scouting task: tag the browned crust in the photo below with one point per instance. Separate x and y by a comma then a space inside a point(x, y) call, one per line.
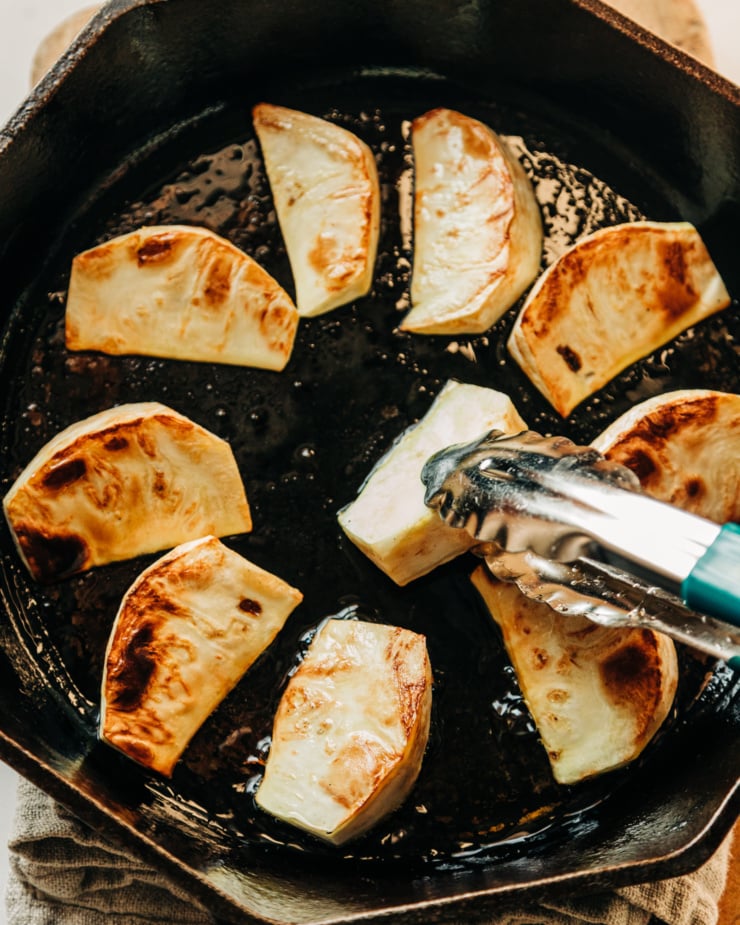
point(222, 275)
point(674, 299)
point(645, 448)
point(338, 265)
point(633, 666)
point(87, 464)
point(632, 678)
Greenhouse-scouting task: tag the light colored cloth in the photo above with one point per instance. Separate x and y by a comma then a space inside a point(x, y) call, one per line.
point(64, 874)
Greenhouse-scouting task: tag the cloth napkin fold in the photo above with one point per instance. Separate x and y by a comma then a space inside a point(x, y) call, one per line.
point(62, 873)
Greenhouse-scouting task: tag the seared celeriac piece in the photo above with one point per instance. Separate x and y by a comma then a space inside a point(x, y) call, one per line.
point(477, 226)
point(180, 292)
point(187, 630)
point(684, 447)
point(597, 695)
point(325, 188)
point(130, 480)
point(350, 731)
point(614, 297)
point(388, 520)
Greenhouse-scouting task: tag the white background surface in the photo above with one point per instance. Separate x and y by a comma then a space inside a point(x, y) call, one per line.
point(23, 25)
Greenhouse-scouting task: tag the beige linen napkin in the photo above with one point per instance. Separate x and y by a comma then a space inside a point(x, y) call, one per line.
point(62, 873)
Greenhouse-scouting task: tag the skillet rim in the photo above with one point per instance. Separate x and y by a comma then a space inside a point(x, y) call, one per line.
point(43, 773)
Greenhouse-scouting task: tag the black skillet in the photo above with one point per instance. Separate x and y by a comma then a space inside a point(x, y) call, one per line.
point(146, 121)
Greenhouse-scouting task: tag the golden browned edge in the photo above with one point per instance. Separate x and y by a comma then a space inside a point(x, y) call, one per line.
point(322, 257)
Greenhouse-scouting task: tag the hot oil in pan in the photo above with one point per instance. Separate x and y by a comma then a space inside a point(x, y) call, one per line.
point(304, 440)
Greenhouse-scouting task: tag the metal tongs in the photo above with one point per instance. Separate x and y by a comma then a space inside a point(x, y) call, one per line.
point(574, 530)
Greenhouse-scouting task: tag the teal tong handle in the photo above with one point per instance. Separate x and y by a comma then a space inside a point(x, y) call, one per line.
point(713, 585)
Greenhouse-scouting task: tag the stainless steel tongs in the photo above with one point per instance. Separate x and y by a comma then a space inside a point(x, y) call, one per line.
point(575, 531)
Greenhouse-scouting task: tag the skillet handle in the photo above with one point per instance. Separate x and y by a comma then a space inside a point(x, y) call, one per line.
point(713, 585)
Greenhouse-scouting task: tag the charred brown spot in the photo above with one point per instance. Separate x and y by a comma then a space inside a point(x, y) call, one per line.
point(577, 267)
point(661, 425)
point(116, 443)
point(139, 751)
point(695, 487)
point(321, 255)
point(652, 434)
point(327, 259)
point(149, 600)
point(52, 557)
point(674, 260)
point(275, 318)
point(96, 264)
point(622, 669)
point(588, 630)
point(356, 770)
point(147, 444)
point(180, 428)
point(157, 249)
point(268, 116)
point(572, 359)
point(64, 473)
point(410, 686)
point(159, 485)
point(248, 605)
point(553, 297)
point(631, 675)
point(677, 295)
point(218, 281)
point(658, 428)
point(476, 140)
point(642, 464)
point(132, 671)
point(112, 437)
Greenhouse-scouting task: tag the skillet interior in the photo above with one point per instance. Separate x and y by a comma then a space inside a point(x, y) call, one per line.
point(304, 439)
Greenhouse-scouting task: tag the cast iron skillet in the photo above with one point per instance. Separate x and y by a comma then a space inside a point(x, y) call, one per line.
point(147, 121)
